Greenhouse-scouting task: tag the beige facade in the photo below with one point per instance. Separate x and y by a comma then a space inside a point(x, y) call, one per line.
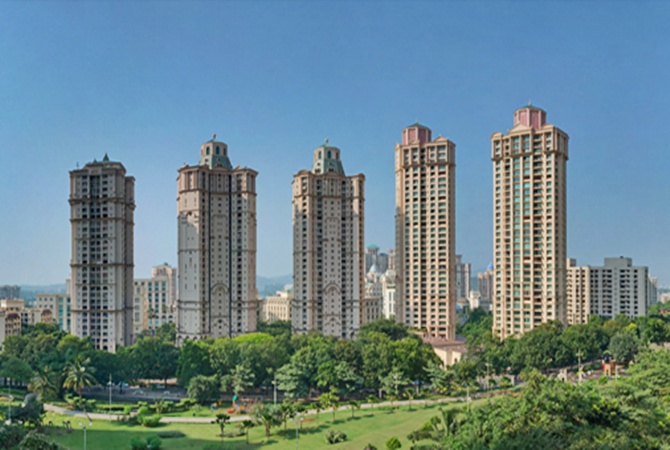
point(617, 287)
point(277, 307)
point(216, 207)
point(529, 194)
point(60, 306)
point(578, 293)
point(371, 309)
point(102, 204)
point(426, 232)
point(154, 299)
point(328, 255)
point(463, 274)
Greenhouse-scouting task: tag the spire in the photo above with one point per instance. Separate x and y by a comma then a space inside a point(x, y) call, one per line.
point(106, 158)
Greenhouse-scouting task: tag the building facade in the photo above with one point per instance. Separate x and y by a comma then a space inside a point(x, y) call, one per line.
point(426, 232)
point(102, 204)
point(328, 254)
point(154, 299)
point(463, 274)
point(277, 307)
point(486, 285)
point(60, 306)
point(216, 207)
point(529, 192)
point(10, 291)
point(617, 287)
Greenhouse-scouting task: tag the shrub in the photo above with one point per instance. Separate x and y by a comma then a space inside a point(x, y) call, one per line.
point(127, 410)
point(393, 444)
point(369, 447)
point(143, 411)
point(11, 435)
point(36, 441)
point(149, 421)
point(335, 436)
point(170, 434)
point(152, 442)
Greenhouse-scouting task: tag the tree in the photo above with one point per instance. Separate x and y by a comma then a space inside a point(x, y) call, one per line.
point(330, 400)
point(246, 425)
point(266, 415)
point(78, 374)
point(193, 360)
point(239, 380)
point(222, 419)
point(390, 327)
point(624, 345)
point(203, 389)
point(354, 405)
point(410, 393)
point(372, 400)
point(167, 333)
point(16, 370)
point(293, 380)
point(287, 411)
point(393, 444)
point(45, 382)
point(392, 382)
point(31, 412)
point(153, 358)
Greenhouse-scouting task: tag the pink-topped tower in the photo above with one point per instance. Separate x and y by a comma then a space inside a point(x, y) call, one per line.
point(426, 232)
point(416, 133)
point(529, 229)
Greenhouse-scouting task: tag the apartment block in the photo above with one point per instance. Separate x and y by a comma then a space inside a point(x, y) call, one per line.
point(216, 207)
point(277, 307)
point(60, 306)
point(102, 204)
point(328, 253)
point(529, 209)
point(425, 248)
point(616, 287)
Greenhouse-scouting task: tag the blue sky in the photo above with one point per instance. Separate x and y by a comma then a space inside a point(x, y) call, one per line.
point(148, 82)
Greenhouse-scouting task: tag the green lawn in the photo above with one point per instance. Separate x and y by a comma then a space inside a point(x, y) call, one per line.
point(369, 426)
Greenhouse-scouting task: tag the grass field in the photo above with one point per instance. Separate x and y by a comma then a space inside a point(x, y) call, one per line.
point(373, 426)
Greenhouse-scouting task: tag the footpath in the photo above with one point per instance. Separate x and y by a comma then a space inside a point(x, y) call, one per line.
point(240, 418)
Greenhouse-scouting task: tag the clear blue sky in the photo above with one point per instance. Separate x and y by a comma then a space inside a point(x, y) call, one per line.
point(148, 82)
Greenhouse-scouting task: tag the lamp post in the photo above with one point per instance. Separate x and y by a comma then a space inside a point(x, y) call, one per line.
point(109, 385)
point(298, 419)
point(274, 385)
point(11, 399)
point(83, 425)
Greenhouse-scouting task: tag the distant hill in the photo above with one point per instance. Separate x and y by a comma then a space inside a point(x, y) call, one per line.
point(269, 285)
point(30, 291)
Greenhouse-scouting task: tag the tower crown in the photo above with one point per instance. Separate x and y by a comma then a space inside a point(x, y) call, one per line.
point(530, 116)
point(416, 132)
point(214, 153)
point(327, 159)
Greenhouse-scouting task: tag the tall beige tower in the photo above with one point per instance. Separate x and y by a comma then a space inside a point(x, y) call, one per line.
point(216, 207)
point(529, 205)
point(102, 204)
point(425, 171)
point(328, 255)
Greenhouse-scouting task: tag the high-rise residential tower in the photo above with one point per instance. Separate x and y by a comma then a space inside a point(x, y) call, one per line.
point(463, 274)
point(328, 256)
point(102, 204)
point(425, 232)
point(216, 207)
point(529, 230)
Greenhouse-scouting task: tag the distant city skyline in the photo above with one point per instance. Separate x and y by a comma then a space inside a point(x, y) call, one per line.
point(96, 78)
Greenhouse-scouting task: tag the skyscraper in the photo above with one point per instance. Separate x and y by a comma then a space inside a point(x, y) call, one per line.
point(425, 232)
point(328, 237)
point(102, 204)
point(216, 273)
point(463, 274)
point(529, 205)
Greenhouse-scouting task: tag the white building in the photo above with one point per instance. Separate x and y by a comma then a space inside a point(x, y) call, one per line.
point(216, 207)
point(328, 256)
point(463, 274)
point(389, 294)
point(615, 288)
point(60, 306)
point(277, 307)
point(102, 204)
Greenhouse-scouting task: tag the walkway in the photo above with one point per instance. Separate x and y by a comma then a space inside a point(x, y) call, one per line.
point(240, 418)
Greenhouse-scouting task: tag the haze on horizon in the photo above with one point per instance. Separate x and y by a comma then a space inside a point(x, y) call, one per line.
point(148, 82)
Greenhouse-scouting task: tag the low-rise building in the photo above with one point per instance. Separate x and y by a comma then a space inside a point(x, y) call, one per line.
point(60, 306)
point(277, 307)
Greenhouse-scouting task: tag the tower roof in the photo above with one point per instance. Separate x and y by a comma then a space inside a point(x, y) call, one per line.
point(327, 159)
point(214, 153)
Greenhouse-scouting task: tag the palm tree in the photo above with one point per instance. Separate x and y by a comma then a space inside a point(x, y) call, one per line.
point(267, 416)
point(43, 383)
point(353, 404)
point(372, 400)
point(246, 425)
point(410, 394)
point(222, 419)
point(78, 375)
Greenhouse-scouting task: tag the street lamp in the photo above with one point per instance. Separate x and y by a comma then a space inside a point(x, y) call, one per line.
point(298, 419)
point(109, 385)
point(274, 385)
point(11, 399)
point(83, 425)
